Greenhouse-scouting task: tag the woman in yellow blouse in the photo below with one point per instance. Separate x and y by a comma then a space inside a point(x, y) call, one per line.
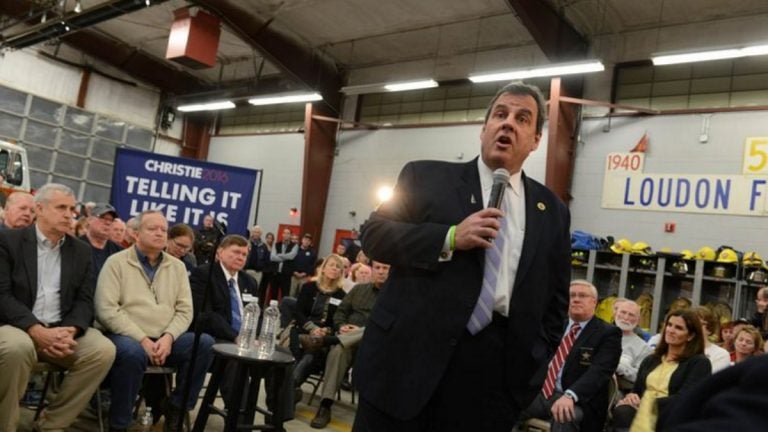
point(677, 364)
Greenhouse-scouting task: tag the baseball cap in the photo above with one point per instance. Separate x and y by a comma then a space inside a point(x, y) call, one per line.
point(100, 209)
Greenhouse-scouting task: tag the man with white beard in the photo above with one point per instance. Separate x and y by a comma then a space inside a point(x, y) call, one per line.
point(633, 347)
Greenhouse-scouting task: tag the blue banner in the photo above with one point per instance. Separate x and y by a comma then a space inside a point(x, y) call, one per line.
point(184, 189)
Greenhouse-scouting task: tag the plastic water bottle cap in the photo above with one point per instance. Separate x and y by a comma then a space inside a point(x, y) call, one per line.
point(273, 302)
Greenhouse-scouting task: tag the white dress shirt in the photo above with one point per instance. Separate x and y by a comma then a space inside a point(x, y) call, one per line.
point(513, 207)
point(47, 307)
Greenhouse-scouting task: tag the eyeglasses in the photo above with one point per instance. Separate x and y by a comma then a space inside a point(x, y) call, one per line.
point(581, 295)
point(181, 246)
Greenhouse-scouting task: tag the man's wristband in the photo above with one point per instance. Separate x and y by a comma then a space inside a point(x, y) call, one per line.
point(452, 237)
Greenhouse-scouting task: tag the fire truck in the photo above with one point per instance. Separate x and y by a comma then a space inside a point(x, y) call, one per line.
point(14, 168)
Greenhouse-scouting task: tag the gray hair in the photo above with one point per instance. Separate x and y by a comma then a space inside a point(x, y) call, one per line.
point(132, 223)
point(587, 284)
point(140, 216)
point(43, 195)
point(520, 89)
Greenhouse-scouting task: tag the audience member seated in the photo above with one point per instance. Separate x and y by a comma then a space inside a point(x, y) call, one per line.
point(719, 357)
point(760, 319)
point(349, 321)
point(97, 235)
point(81, 226)
point(575, 393)
point(313, 316)
point(728, 333)
point(360, 273)
point(131, 228)
point(362, 258)
point(46, 311)
point(633, 347)
point(117, 233)
point(677, 365)
point(747, 343)
point(346, 274)
point(19, 211)
point(181, 239)
point(144, 303)
point(223, 312)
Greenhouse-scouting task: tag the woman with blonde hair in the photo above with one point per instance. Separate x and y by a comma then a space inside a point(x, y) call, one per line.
point(315, 307)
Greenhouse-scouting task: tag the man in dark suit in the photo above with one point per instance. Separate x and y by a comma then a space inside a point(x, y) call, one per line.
point(46, 311)
point(420, 366)
point(575, 394)
point(224, 311)
point(219, 319)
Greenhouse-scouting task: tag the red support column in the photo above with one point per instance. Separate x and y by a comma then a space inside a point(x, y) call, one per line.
point(319, 150)
point(196, 136)
point(560, 144)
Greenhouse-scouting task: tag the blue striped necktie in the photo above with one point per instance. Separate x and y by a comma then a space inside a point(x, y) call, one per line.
point(483, 312)
point(234, 303)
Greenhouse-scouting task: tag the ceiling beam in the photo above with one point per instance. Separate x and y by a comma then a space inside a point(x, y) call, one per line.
point(559, 41)
point(126, 58)
point(135, 62)
point(61, 22)
point(300, 62)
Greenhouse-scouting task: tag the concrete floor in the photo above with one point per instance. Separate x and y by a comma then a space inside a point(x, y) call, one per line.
point(343, 414)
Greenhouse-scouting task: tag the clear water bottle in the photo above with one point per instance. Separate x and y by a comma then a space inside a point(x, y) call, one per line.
point(269, 328)
point(146, 420)
point(247, 337)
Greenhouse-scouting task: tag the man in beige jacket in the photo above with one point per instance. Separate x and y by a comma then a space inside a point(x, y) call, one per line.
point(144, 303)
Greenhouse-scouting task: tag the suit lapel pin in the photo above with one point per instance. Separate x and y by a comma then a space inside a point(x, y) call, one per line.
point(541, 206)
point(472, 199)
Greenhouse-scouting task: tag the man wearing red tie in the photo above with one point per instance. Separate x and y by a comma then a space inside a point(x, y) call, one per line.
point(575, 393)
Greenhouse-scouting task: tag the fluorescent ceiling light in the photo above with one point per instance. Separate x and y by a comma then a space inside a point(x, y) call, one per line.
point(383, 87)
point(287, 98)
point(669, 59)
point(411, 85)
point(555, 70)
point(210, 106)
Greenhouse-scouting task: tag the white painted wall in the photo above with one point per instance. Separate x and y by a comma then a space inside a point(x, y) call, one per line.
point(674, 148)
point(281, 157)
point(28, 71)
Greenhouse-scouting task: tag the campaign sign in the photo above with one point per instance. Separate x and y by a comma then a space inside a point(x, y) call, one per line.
point(184, 189)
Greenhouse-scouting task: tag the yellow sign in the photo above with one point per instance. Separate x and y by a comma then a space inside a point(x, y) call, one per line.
point(755, 156)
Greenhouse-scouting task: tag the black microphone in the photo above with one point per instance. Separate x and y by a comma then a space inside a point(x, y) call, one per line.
point(500, 180)
point(221, 227)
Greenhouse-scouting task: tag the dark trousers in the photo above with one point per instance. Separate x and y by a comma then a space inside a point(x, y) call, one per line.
point(281, 283)
point(472, 395)
point(542, 408)
point(267, 283)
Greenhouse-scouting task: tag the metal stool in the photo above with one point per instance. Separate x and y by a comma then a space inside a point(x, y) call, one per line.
point(167, 373)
